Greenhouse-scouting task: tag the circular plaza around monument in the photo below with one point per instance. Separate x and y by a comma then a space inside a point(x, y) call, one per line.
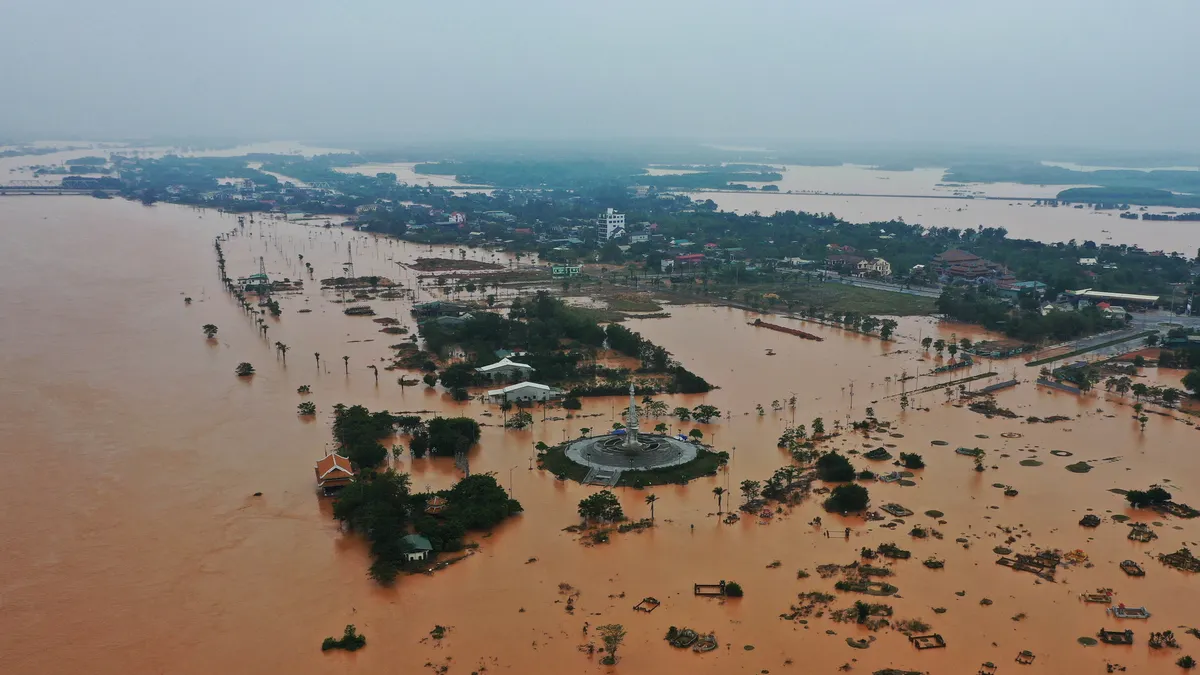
point(614, 452)
point(628, 457)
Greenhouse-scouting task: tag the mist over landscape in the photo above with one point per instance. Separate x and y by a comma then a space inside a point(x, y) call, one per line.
point(1103, 75)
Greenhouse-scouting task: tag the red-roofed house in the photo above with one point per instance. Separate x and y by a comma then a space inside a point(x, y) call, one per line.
point(690, 258)
point(334, 472)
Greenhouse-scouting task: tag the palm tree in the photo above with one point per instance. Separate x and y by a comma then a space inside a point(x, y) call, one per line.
point(376, 369)
point(719, 492)
point(650, 499)
point(346, 360)
point(318, 356)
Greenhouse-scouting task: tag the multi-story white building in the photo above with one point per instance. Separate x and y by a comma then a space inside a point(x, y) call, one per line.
point(874, 267)
point(612, 224)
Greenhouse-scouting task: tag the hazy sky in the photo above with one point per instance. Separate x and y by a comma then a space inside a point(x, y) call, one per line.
point(1117, 73)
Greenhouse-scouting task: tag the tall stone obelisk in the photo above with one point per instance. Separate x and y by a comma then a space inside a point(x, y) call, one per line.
point(631, 424)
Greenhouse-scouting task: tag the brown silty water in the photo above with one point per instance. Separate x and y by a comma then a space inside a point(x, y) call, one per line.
point(132, 541)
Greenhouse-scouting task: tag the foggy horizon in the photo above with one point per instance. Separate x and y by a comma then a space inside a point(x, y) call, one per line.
point(1102, 75)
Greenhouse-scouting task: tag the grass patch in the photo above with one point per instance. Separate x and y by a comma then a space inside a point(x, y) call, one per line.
point(633, 304)
point(1120, 518)
point(934, 513)
point(1030, 462)
point(1088, 641)
point(848, 298)
point(829, 297)
point(1079, 467)
point(705, 464)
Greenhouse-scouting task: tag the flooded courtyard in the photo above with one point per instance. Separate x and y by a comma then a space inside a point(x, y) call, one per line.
point(135, 540)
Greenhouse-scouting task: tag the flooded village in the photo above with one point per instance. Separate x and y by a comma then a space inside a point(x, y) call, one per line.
point(1022, 507)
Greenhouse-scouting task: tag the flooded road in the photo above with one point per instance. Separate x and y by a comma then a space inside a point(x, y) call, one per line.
point(133, 541)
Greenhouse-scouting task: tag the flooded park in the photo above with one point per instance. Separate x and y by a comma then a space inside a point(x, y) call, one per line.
point(163, 515)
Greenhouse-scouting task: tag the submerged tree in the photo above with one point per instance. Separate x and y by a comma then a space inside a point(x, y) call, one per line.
point(244, 369)
point(602, 506)
point(650, 499)
point(210, 331)
point(613, 634)
point(750, 490)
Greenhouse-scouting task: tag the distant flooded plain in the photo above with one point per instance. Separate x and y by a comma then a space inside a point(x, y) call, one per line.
point(134, 543)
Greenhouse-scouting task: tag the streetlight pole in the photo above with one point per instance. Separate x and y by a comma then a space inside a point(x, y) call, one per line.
point(510, 481)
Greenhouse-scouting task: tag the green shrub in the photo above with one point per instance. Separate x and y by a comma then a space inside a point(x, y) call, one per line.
point(733, 589)
point(351, 641)
point(833, 467)
point(849, 497)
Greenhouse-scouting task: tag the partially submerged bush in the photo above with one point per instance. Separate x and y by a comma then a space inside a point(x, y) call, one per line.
point(351, 641)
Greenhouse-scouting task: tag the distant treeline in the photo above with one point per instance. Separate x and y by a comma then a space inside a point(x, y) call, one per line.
point(1128, 195)
point(574, 174)
point(1141, 187)
point(757, 168)
point(1193, 216)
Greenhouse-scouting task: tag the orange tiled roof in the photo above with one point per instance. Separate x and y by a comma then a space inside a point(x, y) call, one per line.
point(334, 465)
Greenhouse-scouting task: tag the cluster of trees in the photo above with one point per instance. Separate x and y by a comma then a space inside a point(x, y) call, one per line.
point(542, 325)
point(602, 506)
point(476, 502)
point(358, 432)
point(1122, 385)
point(1023, 321)
point(863, 323)
point(576, 174)
point(834, 467)
point(702, 413)
point(377, 505)
point(780, 483)
point(1151, 497)
point(655, 359)
point(941, 345)
point(848, 497)
point(442, 436)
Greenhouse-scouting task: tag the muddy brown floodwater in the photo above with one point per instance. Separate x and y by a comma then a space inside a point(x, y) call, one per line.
point(133, 543)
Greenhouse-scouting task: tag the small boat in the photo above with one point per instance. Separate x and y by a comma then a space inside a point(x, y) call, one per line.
point(1132, 569)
